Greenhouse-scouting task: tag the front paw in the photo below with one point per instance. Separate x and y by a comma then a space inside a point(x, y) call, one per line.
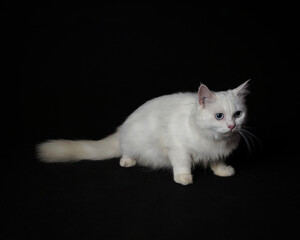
point(224, 171)
point(183, 179)
point(127, 162)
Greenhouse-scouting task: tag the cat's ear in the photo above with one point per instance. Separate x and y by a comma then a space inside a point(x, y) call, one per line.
point(242, 90)
point(204, 95)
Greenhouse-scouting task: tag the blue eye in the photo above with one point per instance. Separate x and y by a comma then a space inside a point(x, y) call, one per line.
point(219, 116)
point(237, 114)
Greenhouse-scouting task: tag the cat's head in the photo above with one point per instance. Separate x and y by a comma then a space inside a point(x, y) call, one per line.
point(222, 113)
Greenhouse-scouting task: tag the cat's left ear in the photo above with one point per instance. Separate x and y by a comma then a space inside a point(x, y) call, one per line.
point(242, 90)
point(204, 95)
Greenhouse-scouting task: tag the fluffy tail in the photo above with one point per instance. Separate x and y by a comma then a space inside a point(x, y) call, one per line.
point(70, 151)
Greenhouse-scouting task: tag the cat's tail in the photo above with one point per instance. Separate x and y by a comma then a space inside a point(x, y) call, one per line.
point(71, 151)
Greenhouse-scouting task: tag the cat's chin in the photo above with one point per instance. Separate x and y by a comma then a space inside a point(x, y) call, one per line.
point(224, 135)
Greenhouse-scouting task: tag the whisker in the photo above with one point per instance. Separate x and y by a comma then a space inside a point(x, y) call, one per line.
point(246, 140)
point(252, 135)
point(248, 127)
point(249, 137)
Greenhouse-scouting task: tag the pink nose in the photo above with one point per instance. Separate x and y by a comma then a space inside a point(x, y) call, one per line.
point(231, 126)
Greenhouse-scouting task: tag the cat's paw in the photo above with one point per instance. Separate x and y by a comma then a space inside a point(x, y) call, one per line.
point(224, 171)
point(127, 162)
point(184, 179)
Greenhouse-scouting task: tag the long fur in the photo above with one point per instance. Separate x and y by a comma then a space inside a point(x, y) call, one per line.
point(175, 131)
point(70, 151)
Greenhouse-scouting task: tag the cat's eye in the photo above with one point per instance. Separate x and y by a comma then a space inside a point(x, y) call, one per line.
point(219, 116)
point(237, 114)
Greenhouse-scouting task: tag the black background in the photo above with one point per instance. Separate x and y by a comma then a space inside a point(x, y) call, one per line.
point(78, 74)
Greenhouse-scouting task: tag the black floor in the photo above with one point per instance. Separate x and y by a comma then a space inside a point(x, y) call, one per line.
point(100, 200)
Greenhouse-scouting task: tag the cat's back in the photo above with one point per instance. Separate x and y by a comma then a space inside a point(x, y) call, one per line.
point(165, 106)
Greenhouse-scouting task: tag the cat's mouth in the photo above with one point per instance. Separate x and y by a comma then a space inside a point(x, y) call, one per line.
point(228, 134)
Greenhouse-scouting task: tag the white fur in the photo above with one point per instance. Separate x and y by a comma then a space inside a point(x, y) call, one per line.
point(174, 131)
point(70, 151)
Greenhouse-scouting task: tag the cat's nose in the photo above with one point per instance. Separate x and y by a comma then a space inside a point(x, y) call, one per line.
point(231, 126)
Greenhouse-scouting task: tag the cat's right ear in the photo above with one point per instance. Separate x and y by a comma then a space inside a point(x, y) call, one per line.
point(242, 90)
point(204, 95)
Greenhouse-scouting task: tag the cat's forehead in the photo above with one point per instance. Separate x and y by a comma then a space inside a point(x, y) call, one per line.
point(228, 101)
point(225, 96)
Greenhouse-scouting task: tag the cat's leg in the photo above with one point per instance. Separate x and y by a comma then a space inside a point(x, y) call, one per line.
point(181, 167)
point(221, 169)
point(127, 162)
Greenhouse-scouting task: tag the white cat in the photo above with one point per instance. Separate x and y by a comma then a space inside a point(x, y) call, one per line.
point(174, 131)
